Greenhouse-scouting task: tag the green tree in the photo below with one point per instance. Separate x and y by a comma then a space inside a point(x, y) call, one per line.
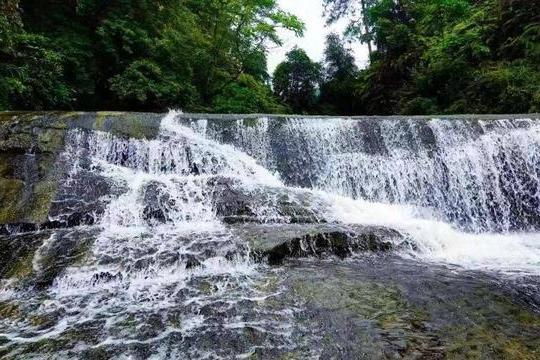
point(340, 75)
point(447, 56)
point(296, 81)
point(137, 55)
point(31, 70)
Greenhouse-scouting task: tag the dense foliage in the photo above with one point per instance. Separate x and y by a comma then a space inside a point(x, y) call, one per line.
point(446, 56)
point(198, 55)
point(426, 56)
point(296, 80)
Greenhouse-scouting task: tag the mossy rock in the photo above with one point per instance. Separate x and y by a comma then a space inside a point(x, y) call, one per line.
point(371, 301)
point(50, 140)
point(6, 166)
point(251, 122)
point(377, 320)
point(515, 334)
point(43, 196)
point(17, 254)
point(22, 268)
point(130, 125)
point(11, 191)
point(16, 142)
point(6, 116)
point(9, 310)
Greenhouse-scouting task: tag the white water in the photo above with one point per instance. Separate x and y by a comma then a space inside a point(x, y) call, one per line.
point(188, 263)
point(142, 261)
point(168, 160)
point(469, 171)
point(480, 175)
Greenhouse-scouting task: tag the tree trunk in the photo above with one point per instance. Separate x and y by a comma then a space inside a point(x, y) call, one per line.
point(366, 28)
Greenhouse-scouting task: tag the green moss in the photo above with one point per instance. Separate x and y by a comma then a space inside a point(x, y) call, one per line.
point(7, 116)
point(10, 197)
point(380, 306)
point(101, 117)
point(9, 310)
point(18, 141)
point(380, 303)
point(6, 169)
point(130, 321)
point(126, 125)
point(22, 268)
point(44, 193)
point(39, 320)
point(515, 334)
point(46, 346)
point(481, 342)
point(69, 114)
point(250, 122)
point(50, 140)
point(292, 356)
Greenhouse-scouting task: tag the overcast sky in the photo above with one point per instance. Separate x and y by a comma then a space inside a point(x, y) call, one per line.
point(311, 13)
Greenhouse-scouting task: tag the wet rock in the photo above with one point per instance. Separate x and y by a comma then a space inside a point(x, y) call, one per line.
point(31, 170)
point(235, 203)
point(17, 253)
point(105, 277)
point(229, 199)
point(63, 249)
point(156, 201)
point(278, 242)
point(192, 262)
point(18, 228)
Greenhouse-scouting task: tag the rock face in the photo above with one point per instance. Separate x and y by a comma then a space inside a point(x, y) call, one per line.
point(235, 203)
point(31, 169)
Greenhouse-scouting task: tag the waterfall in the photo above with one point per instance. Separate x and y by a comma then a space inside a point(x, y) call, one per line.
point(479, 175)
point(463, 192)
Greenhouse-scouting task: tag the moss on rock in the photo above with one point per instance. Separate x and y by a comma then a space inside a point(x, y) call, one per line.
point(499, 330)
point(9, 310)
point(43, 196)
point(22, 267)
point(10, 197)
point(132, 125)
point(50, 140)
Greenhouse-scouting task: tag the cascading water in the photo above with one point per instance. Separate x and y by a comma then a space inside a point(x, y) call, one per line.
point(480, 175)
point(164, 272)
point(430, 179)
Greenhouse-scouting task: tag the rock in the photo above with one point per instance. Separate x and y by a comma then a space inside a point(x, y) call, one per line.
point(156, 201)
point(229, 200)
point(235, 203)
point(105, 277)
point(277, 242)
point(32, 172)
point(17, 253)
point(18, 228)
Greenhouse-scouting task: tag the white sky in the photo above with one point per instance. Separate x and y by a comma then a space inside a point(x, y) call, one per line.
point(311, 13)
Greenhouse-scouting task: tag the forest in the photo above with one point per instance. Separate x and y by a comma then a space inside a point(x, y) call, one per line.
point(425, 57)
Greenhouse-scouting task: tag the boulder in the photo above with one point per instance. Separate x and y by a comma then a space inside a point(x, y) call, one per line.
point(278, 242)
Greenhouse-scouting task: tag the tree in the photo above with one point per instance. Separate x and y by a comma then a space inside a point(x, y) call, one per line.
point(30, 69)
point(138, 55)
point(357, 11)
point(340, 76)
point(446, 56)
point(296, 80)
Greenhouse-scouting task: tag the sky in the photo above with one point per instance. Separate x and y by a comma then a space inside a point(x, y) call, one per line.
point(311, 13)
